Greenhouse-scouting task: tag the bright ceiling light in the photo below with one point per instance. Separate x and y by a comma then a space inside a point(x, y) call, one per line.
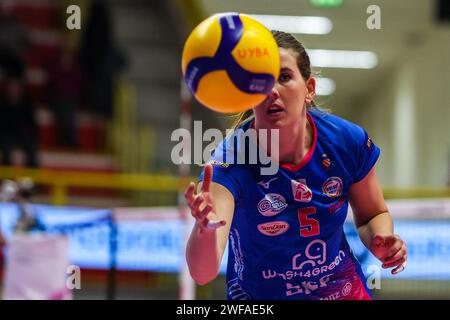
point(294, 24)
point(325, 86)
point(342, 59)
point(326, 3)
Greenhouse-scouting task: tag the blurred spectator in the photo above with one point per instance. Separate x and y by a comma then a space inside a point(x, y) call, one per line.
point(18, 127)
point(13, 42)
point(101, 58)
point(27, 222)
point(64, 92)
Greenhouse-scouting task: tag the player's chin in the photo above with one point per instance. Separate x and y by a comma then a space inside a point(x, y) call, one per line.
point(276, 120)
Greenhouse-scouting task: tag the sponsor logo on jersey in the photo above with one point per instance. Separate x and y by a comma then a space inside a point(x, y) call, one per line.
point(218, 163)
point(307, 269)
point(301, 191)
point(332, 187)
point(347, 289)
point(274, 228)
point(336, 206)
point(235, 290)
point(235, 244)
point(326, 162)
point(307, 287)
point(266, 185)
point(272, 204)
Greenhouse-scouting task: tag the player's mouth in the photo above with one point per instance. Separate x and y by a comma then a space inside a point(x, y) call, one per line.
point(274, 109)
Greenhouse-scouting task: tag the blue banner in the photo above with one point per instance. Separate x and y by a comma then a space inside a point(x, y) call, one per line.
point(158, 245)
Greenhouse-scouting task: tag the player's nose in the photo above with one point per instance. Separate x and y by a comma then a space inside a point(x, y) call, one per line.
point(274, 94)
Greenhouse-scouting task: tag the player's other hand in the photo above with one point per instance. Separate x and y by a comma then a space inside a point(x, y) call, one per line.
point(202, 204)
point(391, 251)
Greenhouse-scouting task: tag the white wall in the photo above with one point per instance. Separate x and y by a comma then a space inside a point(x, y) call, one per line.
point(408, 115)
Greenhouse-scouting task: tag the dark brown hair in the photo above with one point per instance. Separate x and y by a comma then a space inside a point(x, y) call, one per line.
point(288, 41)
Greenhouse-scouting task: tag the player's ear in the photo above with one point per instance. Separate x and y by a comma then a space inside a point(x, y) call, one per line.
point(311, 90)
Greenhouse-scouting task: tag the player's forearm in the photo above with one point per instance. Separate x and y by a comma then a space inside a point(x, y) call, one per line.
point(202, 255)
point(380, 224)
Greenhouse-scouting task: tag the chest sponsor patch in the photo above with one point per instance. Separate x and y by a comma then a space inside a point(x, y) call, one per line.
point(332, 187)
point(272, 204)
point(274, 228)
point(301, 191)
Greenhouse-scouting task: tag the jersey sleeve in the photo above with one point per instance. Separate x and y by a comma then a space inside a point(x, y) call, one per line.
point(366, 153)
point(226, 174)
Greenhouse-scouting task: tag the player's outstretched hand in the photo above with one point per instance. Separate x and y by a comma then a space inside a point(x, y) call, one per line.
point(202, 204)
point(391, 251)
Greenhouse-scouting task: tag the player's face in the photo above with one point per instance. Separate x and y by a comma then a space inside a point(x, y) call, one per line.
point(286, 105)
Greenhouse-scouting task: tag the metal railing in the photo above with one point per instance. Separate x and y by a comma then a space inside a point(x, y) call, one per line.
point(60, 181)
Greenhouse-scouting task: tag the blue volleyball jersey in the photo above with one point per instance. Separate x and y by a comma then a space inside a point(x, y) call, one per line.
point(286, 239)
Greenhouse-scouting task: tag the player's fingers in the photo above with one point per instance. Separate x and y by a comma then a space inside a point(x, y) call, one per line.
point(189, 193)
point(394, 248)
point(396, 255)
point(400, 253)
point(215, 224)
point(394, 262)
point(400, 268)
point(196, 204)
point(207, 177)
point(203, 213)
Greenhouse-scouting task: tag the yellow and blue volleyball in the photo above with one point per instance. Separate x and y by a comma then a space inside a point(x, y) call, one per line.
point(230, 62)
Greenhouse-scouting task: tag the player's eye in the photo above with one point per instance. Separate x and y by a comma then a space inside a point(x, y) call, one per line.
point(284, 77)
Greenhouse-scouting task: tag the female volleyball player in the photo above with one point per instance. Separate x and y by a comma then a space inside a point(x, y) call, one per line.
point(285, 231)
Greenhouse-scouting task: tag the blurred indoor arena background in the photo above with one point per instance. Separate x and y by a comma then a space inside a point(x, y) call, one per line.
point(86, 151)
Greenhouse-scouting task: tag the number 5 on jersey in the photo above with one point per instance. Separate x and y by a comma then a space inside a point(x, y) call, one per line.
point(308, 226)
